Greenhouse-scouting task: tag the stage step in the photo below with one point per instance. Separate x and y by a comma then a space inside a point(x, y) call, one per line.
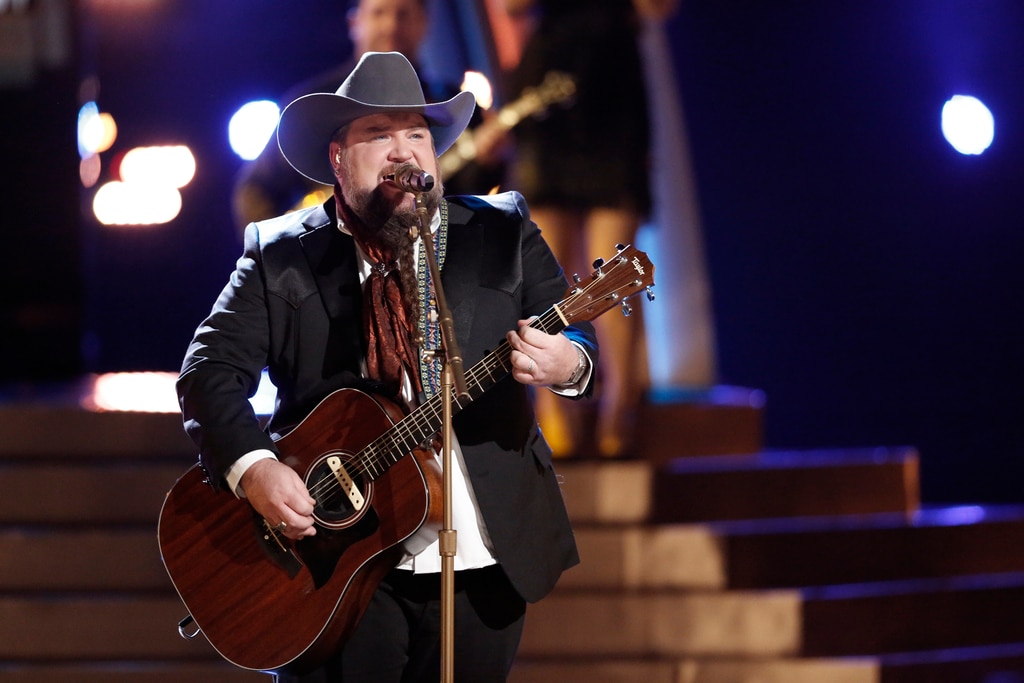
point(798, 552)
point(787, 484)
point(676, 422)
point(732, 487)
point(688, 670)
point(114, 625)
point(128, 672)
point(835, 621)
point(991, 664)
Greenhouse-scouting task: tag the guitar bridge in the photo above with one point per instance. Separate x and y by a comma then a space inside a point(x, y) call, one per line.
point(279, 552)
point(348, 486)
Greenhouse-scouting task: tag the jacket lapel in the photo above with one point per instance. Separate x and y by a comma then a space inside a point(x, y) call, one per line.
point(332, 260)
point(461, 275)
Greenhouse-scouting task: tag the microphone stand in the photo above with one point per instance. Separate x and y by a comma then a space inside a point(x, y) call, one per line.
point(453, 376)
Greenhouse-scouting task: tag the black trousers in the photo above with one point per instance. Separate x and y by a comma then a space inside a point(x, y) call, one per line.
point(398, 640)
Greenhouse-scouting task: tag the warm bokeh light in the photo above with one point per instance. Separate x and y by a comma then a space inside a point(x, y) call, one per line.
point(142, 392)
point(967, 124)
point(154, 392)
point(89, 170)
point(171, 165)
point(96, 130)
point(136, 203)
point(476, 83)
point(252, 127)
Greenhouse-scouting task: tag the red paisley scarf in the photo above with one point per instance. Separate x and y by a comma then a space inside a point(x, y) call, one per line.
point(390, 352)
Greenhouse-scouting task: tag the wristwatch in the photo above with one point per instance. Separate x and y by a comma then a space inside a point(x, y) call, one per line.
point(581, 367)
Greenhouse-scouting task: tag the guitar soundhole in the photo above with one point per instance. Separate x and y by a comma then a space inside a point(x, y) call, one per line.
point(341, 492)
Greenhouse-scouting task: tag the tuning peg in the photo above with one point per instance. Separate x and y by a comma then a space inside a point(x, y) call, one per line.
point(620, 246)
point(650, 294)
point(576, 278)
point(627, 310)
point(598, 264)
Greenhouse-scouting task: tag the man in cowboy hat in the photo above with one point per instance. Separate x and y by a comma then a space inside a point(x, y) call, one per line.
point(339, 296)
point(268, 185)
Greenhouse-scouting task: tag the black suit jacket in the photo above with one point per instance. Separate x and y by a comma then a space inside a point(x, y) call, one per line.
point(293, 305)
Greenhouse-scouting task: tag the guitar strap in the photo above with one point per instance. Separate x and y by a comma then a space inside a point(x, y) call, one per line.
point(431, 365)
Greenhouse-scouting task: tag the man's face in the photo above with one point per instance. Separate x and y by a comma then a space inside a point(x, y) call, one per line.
point(388, 26)
point(375, 146)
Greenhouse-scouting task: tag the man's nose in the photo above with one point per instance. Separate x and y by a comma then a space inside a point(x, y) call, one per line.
point(401, 150)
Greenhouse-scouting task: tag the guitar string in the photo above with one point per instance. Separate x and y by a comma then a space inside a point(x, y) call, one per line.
point(418, 425)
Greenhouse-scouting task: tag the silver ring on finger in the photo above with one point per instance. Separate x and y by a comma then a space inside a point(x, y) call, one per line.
point(281, 526)
point(529, 370)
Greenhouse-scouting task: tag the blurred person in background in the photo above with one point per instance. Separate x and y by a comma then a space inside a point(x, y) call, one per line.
point(588, 189)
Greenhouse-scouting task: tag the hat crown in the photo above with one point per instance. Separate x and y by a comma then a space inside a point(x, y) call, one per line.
point(383, 78)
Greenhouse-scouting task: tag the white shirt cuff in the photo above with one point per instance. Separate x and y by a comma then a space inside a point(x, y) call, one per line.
point(234, 474)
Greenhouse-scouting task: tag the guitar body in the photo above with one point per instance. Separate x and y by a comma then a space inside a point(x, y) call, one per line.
point(271, 604)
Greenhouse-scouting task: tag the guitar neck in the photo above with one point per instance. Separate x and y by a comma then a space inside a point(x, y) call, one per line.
point(422, 424)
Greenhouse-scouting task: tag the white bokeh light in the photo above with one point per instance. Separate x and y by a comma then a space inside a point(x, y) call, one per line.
point(967, 124)
point(251, 128)
point(172, 165)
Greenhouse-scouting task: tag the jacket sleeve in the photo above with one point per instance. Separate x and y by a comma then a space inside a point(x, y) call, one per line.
point(223, 365)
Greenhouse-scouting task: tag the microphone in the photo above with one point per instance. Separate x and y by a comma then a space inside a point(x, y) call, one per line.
point(411, 179)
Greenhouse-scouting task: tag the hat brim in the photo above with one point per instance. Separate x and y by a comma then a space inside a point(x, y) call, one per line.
point(307, 124)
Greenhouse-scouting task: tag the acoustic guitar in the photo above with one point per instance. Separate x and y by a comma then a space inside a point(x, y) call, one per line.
point(267, 603)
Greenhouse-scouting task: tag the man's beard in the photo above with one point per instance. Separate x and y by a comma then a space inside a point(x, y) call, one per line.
point(395, 227)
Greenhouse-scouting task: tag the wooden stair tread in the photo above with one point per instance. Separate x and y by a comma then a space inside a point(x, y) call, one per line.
point(794, 552)
point(170, 671)
point(852, 620)
point(734, 487)
point(39, 490)
point(790, 484)
point(680, 422)
point(96, 626)
point(105, 559)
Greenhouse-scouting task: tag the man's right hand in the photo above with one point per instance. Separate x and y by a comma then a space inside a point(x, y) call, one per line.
point(278, 494)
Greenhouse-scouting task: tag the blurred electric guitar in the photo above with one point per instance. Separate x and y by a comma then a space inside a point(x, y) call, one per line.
point(556, 88)
point(267, 603)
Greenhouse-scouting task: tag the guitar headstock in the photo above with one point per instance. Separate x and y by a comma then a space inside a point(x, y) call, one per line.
point(557, 88)
point(613, 281)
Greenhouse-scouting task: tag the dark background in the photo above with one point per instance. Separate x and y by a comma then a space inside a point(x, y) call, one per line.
point(864, 274)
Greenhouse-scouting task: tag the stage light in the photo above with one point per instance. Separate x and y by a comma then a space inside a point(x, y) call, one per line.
point(171, 165)
point(476, 83)
point(96, 130)
point(141, 392)
point(252, 127)
point(136, 203)
point(967, 124)
point(89, 170)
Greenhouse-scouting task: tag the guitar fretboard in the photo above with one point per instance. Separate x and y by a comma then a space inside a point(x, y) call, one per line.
point(421, 425)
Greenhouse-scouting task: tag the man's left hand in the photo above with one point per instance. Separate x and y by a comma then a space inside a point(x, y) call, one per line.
point(540, 358)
